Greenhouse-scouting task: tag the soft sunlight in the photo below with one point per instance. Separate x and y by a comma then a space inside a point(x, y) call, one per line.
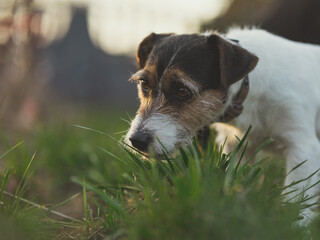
point(118, 26)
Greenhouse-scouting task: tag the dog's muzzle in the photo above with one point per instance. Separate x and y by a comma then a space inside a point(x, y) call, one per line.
point(156, 133)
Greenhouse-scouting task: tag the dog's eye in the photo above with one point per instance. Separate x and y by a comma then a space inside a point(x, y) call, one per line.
point(145, 86)
point(183, 93)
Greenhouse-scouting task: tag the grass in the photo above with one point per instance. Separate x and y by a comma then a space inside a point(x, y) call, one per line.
point(196, 194)
point(19, 218)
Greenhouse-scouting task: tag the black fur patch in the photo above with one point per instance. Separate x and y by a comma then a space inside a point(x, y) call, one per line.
point(191, 54)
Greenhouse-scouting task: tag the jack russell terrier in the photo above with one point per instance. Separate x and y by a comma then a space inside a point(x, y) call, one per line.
point(246, 77)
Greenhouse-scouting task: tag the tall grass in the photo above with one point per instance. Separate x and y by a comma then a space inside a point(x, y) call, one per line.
point(196, 194)
point(21, 218)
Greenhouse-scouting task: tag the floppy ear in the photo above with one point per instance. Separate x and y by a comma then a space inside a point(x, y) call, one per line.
point(235, 62)
point(146, 46)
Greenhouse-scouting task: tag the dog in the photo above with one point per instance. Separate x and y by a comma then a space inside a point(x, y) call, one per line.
point(245, 77)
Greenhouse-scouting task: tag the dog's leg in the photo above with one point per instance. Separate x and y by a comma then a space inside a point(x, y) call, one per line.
point(224, 131)
point(308, 148)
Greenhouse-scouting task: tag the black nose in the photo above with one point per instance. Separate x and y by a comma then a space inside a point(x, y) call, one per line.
point(140, 140)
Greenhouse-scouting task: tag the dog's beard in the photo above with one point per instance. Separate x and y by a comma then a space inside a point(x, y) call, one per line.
point(166, 133)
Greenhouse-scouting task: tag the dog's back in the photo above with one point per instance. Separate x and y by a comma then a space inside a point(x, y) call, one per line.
point(284, 87)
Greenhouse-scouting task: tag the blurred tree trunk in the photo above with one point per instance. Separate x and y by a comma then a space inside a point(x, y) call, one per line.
point(298, 20)
point(19, 86)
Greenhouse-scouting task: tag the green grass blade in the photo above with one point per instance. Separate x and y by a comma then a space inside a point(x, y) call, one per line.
point(184, 157)
point(11, 149)
point(239, 145)
point(241, 157)
point(3, 181)
point(24, 174)
point(96, 131)
point(65, 201)
point(263, 145)
point(297, 166)
point(113, 203)
point(109, 153)
point(42, 207)
point(84, 194)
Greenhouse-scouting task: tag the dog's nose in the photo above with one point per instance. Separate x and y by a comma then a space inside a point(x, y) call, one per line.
point(140, 140)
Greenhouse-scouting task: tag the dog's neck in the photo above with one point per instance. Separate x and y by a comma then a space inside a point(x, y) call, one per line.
point(234, 100)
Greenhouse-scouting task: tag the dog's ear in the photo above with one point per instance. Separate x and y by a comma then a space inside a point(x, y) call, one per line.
point(146, 47)
point(235, 62)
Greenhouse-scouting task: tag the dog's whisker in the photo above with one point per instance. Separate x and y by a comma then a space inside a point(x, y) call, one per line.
point(121, 132)
point(125, 120)
point(130, 118)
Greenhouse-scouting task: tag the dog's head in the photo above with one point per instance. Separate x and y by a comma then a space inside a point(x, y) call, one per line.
point(182, 82)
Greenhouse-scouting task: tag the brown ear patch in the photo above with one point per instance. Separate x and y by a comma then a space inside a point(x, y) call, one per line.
point(146, 46)
point(235, 62)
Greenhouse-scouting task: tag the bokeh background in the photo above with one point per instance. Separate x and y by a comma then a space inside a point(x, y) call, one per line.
point(66, 62)
point(56, 53)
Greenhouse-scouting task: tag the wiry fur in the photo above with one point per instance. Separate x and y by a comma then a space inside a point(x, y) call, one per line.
point(283, 101)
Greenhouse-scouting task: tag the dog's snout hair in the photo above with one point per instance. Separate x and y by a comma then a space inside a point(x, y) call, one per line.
point(163, 130)
point(172, 126)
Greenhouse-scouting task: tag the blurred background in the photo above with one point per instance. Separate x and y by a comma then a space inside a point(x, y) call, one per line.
point(65, 62)
point(54, 53)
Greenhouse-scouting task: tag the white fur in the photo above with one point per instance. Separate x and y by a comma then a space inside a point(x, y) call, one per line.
point(283, 101)
point(166, 130)
point(162, 128)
